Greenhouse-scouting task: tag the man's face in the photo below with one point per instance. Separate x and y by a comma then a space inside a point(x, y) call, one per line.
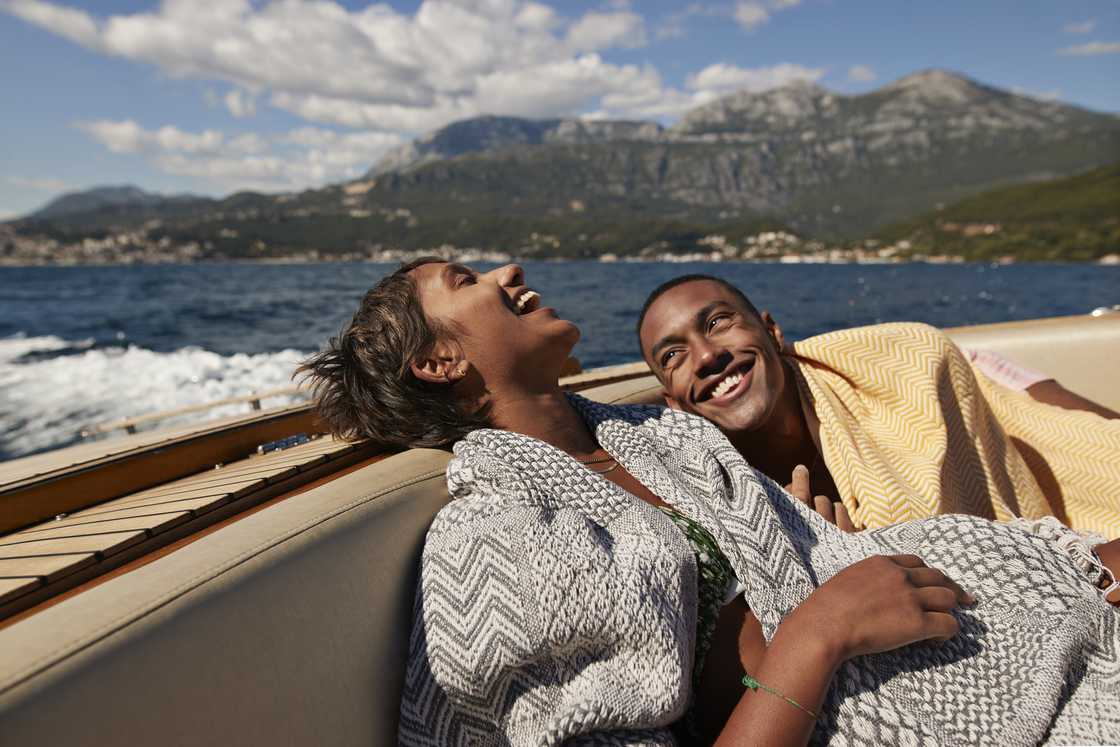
point(714, 356)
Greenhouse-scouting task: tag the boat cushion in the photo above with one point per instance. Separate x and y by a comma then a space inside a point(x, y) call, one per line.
point(289, 626)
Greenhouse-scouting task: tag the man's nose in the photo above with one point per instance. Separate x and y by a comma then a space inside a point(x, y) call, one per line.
point(710, 359)
point(508, 275)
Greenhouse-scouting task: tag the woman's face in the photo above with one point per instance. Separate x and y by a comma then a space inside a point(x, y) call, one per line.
point(497, 321)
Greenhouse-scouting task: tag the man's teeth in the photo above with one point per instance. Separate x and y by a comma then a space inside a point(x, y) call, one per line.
point(523, 301)
point(726, 385)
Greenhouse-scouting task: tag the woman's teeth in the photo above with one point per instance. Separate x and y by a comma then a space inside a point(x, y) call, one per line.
point(726, 385)
point(525, 299)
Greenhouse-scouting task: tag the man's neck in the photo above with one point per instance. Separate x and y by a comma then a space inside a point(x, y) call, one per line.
point(784, 440)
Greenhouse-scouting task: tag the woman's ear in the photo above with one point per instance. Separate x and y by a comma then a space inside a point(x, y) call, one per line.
point(444, 364)
point(774, 331)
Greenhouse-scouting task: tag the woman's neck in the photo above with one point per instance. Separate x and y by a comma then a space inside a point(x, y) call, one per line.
point(546, 415)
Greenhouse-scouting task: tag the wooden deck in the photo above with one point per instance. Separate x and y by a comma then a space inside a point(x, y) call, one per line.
point(49, 557)
point(39, 487)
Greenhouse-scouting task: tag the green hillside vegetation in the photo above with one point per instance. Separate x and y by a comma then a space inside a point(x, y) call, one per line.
point(1070, 219)
point(254, 226)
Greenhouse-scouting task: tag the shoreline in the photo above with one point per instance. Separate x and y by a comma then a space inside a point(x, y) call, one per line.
point(469, 257)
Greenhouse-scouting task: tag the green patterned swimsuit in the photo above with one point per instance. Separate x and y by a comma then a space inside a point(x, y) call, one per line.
point(715, 578)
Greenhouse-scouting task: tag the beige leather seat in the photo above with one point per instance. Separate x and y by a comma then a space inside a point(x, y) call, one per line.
point(287, 627)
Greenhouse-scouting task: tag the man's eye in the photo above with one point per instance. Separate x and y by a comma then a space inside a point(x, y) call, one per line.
point(717, 321)
point(668, 357)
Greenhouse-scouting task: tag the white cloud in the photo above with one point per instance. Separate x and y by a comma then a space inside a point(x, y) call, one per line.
point(303, 157)
point(672, 26)
point(751, 14)
point(721, 78)
point(370, 67)
point(388, 74)
point(240, 104)
point(861, 74)
point(127, 136)
point(1092, 48)
point(537, 17)
point(42, 183)
point(75, 25)
point(596, 31)
point(1085, 27)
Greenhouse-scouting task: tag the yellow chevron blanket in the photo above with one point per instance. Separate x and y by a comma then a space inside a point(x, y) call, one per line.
point(909, 430)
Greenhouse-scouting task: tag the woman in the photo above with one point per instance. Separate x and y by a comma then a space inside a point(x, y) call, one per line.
point(610, 575)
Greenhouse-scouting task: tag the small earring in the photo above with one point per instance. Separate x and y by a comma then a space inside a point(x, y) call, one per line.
point(461, 370)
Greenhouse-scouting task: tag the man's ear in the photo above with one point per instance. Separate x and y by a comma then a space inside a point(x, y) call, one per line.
point(444, 364)
point(774, 331)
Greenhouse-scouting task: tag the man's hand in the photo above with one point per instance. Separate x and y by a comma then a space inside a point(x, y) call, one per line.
point(1109, 553)
point(834, 512)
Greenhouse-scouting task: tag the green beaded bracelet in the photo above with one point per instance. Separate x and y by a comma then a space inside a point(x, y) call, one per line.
point(752, 684)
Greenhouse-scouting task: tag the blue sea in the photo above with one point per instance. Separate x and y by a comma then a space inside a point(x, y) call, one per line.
point(85, 345)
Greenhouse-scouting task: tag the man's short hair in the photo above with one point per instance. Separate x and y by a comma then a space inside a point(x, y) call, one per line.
point(670, 284)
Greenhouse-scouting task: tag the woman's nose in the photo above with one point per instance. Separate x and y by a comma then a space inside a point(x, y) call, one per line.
point(509, 275)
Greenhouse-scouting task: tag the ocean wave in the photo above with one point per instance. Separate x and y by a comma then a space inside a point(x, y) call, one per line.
point(51, 388)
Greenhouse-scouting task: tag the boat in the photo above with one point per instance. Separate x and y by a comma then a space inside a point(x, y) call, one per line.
point(251, 580)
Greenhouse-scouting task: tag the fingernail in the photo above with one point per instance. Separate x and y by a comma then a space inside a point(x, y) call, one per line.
point(969, 598)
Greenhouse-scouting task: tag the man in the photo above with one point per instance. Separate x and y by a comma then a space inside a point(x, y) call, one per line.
point(891, 420)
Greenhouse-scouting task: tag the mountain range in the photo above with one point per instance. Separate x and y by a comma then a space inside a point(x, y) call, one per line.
point(824, 164)
point(125, 199)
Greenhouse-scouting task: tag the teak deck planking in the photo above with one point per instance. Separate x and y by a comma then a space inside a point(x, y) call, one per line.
point(47, 558)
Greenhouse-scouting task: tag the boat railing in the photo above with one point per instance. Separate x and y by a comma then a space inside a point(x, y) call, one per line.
point(574, 379)
point(131, 425)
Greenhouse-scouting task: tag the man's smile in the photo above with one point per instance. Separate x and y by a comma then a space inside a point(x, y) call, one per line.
point(730, 384)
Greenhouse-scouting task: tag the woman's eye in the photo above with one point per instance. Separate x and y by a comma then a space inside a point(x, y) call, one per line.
point(465, 279)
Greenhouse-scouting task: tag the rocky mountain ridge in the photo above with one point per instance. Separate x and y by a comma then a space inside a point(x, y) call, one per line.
point(822, 164)
point(492, 133)
point(930, 99)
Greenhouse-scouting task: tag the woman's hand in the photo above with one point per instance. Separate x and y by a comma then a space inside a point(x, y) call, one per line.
point(833, 511)
point(875, 605)
point(882, 603)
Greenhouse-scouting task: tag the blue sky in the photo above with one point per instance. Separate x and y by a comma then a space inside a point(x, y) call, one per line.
point(211, 96)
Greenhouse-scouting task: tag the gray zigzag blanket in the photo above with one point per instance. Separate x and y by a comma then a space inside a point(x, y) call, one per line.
point(556, 608)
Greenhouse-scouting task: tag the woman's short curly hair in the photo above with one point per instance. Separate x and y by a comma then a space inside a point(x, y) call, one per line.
point(362, 381)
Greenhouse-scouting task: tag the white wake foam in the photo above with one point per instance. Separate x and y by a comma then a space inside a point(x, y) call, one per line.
point(45, 402)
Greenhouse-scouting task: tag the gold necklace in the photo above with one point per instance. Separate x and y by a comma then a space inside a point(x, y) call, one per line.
point(602, 471)
point(604, 460)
